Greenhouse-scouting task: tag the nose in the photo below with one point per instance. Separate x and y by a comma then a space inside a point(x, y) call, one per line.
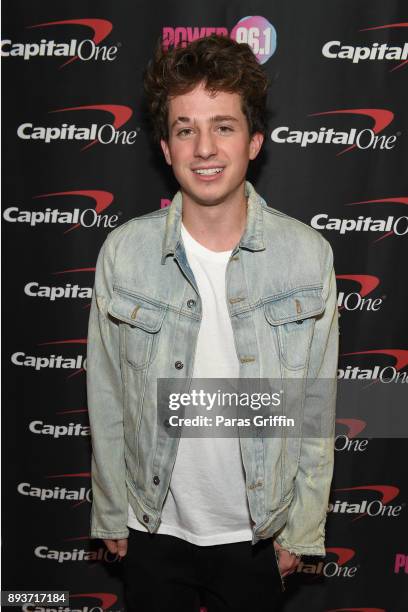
point(205, 144)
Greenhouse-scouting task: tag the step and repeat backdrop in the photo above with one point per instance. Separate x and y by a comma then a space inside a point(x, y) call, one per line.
point(79, 161)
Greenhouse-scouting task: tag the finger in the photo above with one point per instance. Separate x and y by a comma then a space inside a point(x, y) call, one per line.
point(111, 546)
point(122, 547)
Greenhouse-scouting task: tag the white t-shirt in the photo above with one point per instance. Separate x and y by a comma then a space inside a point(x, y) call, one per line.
point(206, 503)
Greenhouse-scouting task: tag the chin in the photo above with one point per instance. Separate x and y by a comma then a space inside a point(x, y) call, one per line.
point(209, 196)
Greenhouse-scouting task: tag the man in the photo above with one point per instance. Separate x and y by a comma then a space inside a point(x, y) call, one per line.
point(217, 285)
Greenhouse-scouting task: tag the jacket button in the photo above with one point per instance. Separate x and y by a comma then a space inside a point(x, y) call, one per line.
point(166, 423)
point(145, 518)
point(299, 322)
point(179, 365)
point(156, 480)
point(191, 303)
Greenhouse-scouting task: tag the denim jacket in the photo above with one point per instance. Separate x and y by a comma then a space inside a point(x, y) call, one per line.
point(144, 322)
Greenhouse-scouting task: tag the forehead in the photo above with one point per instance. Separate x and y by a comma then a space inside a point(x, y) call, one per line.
point(200, 104)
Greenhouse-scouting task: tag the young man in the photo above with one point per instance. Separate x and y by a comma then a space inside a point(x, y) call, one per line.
point(217, 285)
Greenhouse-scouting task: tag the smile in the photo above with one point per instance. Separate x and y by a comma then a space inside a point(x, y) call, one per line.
point(208, 171)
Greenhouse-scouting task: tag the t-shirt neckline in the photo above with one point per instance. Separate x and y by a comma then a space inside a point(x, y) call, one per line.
point(200, 250)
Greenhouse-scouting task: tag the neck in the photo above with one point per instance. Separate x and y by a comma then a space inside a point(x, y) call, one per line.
point(218, 226)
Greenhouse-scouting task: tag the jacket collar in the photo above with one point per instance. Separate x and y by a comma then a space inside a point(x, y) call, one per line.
point(251, 239)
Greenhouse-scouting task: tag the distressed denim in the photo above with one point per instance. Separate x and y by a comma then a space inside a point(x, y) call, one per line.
point(144, 322)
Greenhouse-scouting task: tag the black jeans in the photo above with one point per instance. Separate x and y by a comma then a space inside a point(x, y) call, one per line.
point(163, 573)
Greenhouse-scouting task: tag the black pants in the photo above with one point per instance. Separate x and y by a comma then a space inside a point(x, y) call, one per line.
point(163, 573)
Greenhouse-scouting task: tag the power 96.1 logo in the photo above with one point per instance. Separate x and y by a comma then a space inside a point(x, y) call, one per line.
point(256, 31)
point(259, 34)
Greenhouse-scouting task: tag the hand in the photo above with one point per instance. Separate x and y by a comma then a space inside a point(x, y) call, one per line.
point(117, 546)
point(287, 562)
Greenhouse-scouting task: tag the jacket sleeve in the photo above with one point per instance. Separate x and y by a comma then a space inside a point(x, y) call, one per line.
point(105, 406)
point(304, 531)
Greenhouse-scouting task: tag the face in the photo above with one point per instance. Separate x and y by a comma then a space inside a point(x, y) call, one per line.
point(209, 145)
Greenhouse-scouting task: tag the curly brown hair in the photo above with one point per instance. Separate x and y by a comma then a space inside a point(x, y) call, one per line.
point(221, 63)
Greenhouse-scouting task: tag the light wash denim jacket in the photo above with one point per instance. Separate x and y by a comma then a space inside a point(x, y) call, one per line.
point(144, 322)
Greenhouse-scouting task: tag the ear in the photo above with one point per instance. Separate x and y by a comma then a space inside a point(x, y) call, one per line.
point(166, 151)
point(255, 144)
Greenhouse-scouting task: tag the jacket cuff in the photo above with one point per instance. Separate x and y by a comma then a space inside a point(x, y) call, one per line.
point(298, 549)
point(109, 535)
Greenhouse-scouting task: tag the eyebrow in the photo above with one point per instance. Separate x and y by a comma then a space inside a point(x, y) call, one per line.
point(216, 119)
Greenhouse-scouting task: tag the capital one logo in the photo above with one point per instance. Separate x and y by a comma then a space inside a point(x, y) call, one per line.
point(86, 49)
point(392, 225)
point(254, 30)
point(387, 374)
point(372, 500)
point(75, 217)
point(76, 364)
point(337, 568)
point(348, 441)
point(102, 133)
point(377, 51)
point(58, 493)
point(370, 137)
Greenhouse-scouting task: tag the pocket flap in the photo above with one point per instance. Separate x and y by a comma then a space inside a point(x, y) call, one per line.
point(299, 305)
point(136, 311)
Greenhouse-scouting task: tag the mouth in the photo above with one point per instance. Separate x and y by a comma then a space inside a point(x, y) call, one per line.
point(209, 172)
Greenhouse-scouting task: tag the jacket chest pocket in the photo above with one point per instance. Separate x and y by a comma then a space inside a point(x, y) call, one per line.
point(293, 317)
point(140, 321)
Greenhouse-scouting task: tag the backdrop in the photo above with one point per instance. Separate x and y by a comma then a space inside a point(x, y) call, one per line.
point(79, 161)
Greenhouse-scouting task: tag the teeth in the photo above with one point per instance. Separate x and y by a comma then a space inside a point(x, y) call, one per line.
point(209, 171)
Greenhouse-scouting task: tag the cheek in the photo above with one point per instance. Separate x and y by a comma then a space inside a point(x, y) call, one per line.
point(241, 157)
point(240, 149)
point(180, 154)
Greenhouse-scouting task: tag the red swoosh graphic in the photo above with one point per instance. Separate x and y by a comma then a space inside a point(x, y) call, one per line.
point(400, 355)
point(101, 29)
point(75, 270)
point(102, 199)
point(388, 492)
point(367, 282)
point(383, 27)
point(76, 373)
point(343, 554)
point(382, 118)
point(389, 25)
point(72, 411)
point(381, 201)
point(121, 114)
point(354, 426)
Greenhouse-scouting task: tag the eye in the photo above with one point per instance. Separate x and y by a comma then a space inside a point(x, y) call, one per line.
point(225, 129)
point(185, 132)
